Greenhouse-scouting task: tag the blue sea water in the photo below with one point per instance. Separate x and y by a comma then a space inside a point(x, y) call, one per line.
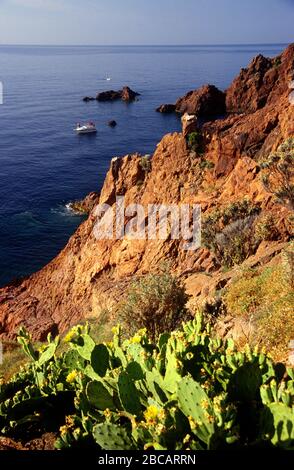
point(44, 165)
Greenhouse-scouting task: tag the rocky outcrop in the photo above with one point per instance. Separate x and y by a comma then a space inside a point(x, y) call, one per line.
point(250, 90)
point(126, 94)
point(166, 108)
point(261, 83)
point(112, 123)
point(86, 205)
point(189, 124)
point(205, 102)
point(109, 95)
point(86, 99)
point(91, 275)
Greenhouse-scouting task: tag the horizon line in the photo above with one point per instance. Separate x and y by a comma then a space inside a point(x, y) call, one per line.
point(148, 45)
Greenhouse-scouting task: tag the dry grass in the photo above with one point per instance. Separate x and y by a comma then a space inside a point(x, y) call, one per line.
point(267, 299)
point(13, 358)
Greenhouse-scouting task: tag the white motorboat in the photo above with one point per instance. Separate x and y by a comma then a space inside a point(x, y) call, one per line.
point(88, 128)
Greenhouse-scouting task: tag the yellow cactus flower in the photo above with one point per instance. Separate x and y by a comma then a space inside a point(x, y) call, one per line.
point(70, 422)
point(115, 329)
point(77, 432)
point(42, 348)
point(151, 414)
point(205, 404)
point(72, 376)
point(70, 335)
point(162, 415)
point(136, 339)
point(186, 439)
point(160, 429)
point(107, 413)
point(142, 332)
point(192, 422)
point(63, 430)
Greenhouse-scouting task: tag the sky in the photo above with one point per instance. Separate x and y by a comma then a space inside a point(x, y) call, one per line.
point(146, 22)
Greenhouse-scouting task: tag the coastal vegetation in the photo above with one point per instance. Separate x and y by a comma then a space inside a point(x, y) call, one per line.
point(265, 298)
point(196, 142)
point(156, 302)
point(187, 390)
point(278, 173)
point(230, 232)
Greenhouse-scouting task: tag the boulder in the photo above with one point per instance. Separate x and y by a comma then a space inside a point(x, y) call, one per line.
point(112, 123)
point(126, 94)
point(189, 124)
point(166, 108)
point(86, 205)
point(205, 102)
point(109, 95)
point(88, 98)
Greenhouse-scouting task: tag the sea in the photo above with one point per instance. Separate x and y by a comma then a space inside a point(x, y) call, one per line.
point(44, 165)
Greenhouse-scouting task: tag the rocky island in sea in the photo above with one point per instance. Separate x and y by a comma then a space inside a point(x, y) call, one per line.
point(126, 94)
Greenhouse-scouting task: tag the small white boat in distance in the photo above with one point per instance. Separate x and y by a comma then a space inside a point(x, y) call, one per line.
point(88, 128)
point(108, 79)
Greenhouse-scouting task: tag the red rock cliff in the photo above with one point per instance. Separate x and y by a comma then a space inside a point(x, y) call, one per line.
point(89, 275)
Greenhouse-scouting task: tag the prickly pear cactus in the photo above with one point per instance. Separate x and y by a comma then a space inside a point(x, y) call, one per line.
point(196, 405)
point(100, 359)
point(73, 361)
point(245, 382)
point(173, 373)
point(112, 437)
point(135, 371)
point(99, 397)
point(155, 385)
point(85, 346)
point(49, 352)
point(128, 394)
point(278, 425)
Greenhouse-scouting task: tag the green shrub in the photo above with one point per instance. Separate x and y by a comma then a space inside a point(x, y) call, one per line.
point(229, 232)
point(277, 62)
point(156, 302)
point(196, 142)
point(278, 174)
point(236, 242)
point(265, 228)
point(206, 165)
point(145, 163)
